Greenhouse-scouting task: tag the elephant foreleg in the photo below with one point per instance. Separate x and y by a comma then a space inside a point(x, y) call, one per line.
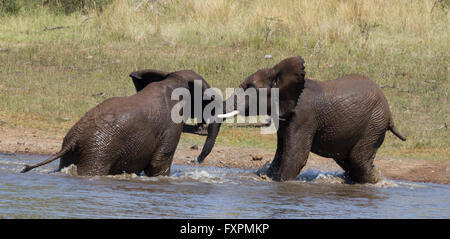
point(295, 151)
point(274, 168)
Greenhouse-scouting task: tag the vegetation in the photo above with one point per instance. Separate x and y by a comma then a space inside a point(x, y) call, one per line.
point(58, 60)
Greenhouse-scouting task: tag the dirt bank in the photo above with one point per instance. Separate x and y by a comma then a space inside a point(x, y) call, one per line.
point(436, 171)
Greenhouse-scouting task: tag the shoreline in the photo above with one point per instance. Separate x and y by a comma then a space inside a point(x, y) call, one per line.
point(32, 142)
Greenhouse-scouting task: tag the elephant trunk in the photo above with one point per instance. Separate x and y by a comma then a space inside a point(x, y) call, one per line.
point(214, 128)
point(213, 131)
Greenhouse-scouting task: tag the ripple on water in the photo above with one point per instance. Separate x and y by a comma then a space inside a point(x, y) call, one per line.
point(199, 175)
point(318, 176)
point(328, 177)
point(209, 192)
point(310, 175)
point(194, 175)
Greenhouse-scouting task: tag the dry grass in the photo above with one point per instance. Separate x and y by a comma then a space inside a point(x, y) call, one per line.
point(48, 79)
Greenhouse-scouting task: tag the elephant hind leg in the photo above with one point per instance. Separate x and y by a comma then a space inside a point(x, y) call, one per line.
point(363, 172)
point(342, 162)
point(160, 164)
point(95, 164)
point(359, 165)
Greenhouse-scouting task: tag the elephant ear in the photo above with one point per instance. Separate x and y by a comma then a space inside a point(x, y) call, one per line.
point(289, 72)
point(144, 77)
point(289, 77)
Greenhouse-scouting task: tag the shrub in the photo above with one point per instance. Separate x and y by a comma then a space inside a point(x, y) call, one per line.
point(9, 7)
point(57, 6)
point(70, 6)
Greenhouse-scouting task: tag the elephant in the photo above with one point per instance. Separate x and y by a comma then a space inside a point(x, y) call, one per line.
point(134, 133)
point(344, 119)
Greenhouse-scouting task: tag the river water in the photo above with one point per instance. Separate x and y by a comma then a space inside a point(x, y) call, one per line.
point(208, 192)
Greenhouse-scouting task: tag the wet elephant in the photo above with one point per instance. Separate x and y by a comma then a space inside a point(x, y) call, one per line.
point(345, 119)
point(134, 133)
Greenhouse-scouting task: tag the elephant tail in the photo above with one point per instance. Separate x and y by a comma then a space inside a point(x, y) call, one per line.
point(61, 153)
point(395, 132)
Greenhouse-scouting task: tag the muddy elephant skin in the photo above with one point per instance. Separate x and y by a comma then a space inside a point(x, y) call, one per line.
point(345, 119)
point(131, 134)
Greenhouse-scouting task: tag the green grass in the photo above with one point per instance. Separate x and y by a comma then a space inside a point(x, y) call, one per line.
point(49, 79)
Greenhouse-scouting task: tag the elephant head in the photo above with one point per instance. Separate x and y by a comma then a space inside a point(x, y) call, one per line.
point(190, 80)
point(288, 77)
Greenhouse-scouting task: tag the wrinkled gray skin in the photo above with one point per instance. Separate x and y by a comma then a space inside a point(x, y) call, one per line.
point(131, 134)
point(345, 119)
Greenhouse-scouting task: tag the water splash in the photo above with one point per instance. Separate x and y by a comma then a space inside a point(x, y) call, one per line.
point(330, 177)
point(70, 170)
point(198, 175)
point(385, 183)
point(309, 175)
point(262, 172)
point(318, 176)
point(194, 175)
point(209, 175)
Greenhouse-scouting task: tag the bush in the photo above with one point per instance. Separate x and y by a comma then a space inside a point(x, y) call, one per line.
point(70, 6)
point(57, 6)
point(9, 7)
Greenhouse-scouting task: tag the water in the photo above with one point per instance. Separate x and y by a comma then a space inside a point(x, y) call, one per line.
point(208, 192)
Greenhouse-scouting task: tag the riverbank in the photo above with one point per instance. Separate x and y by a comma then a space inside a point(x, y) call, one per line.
point(56, 64)
point(417, 170)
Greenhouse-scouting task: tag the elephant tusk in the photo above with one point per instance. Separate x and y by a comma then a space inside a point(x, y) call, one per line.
point(228, 115)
